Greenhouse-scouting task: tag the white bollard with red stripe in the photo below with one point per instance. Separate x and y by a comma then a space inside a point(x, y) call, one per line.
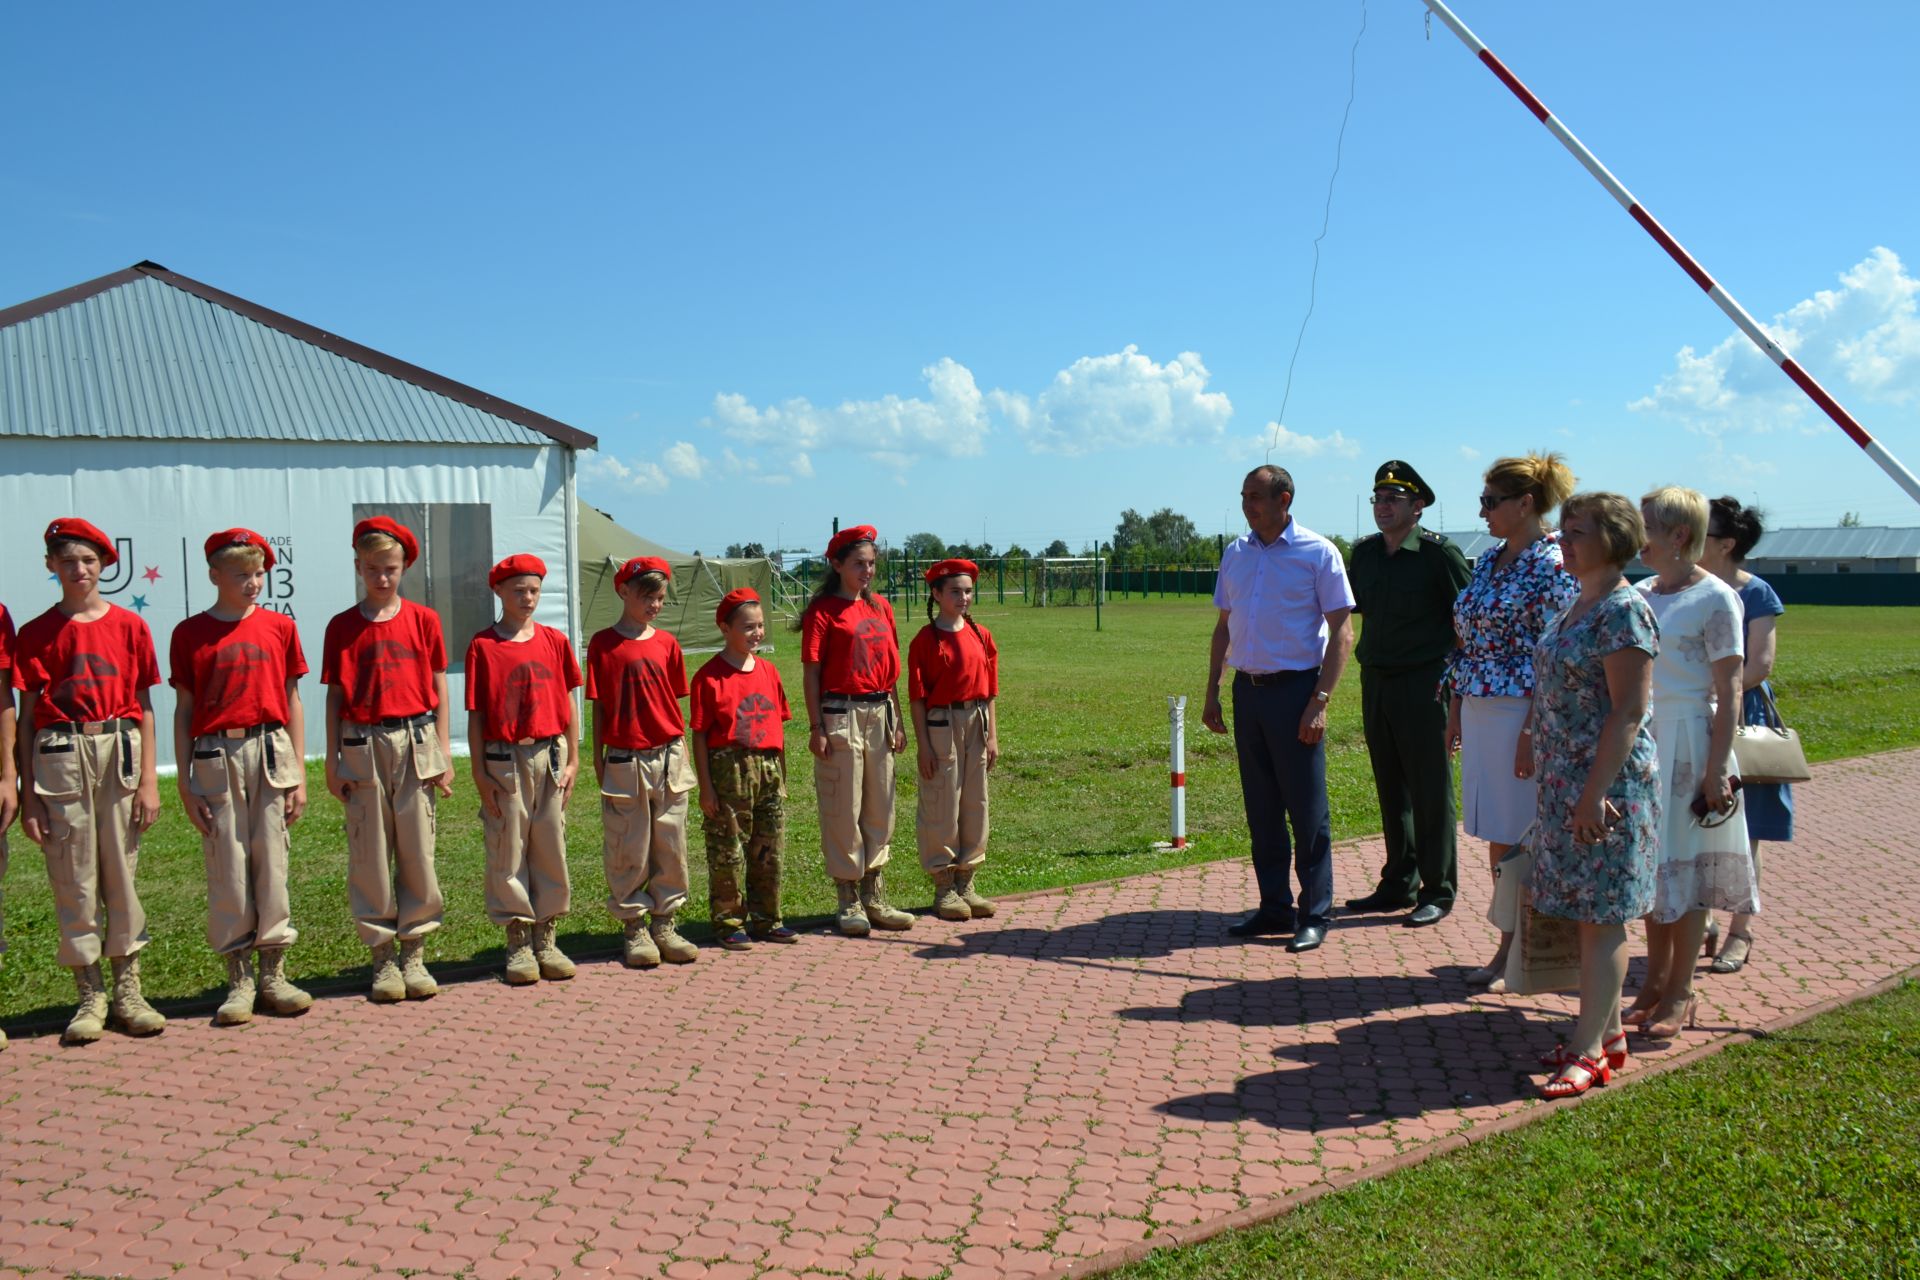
point(1712, 288)
point(1177, 714)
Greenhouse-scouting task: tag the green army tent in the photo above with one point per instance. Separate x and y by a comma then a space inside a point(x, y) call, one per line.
point(696, 587)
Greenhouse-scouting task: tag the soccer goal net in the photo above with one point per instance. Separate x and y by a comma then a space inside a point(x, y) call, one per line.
point(1067, 580)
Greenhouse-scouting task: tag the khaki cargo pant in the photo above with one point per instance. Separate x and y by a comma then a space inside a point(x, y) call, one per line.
point(952, 819)
point(855, 786)
point(245, 783)
point(392, 887)
point(643, 821)
point(88, 781)
point(744, 842)
point(527, 843)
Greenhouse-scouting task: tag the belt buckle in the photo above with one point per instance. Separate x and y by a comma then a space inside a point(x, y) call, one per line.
point(233, 733)
point(525, 742)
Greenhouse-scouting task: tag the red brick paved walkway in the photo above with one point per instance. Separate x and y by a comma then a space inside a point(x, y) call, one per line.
point(998, 1098)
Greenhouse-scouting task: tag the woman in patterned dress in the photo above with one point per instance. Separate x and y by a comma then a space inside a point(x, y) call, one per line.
point(1515, 588)
point(1705, 865)
point(1732, 531)
point(1597, 825)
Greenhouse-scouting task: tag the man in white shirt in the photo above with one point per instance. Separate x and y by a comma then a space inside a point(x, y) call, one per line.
point(1283, 599)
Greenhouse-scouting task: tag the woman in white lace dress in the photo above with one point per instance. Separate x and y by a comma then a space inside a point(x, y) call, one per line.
point(1705, 864)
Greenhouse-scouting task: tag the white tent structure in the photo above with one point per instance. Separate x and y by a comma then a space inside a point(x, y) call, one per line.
point(163, 409)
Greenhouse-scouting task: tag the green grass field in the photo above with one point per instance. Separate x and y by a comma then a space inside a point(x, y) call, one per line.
point(1795, 1155)
point(1080, 794)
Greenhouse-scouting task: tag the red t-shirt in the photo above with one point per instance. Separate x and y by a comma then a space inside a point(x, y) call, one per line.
point(86, 670)
point(855, 643)
point(6, 649)
point(739, 708)
point(237, 672)
point(636, 686)
point(952, 666)
point(384, 669)
point(522, 686)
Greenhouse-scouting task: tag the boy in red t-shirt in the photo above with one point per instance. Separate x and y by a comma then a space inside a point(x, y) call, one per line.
point(239, 734)
point(89, 782)
point(740, 755)
point(953, 677)
point(526, 754)
point(9, 780)
point(636, 677)
point(384, 663)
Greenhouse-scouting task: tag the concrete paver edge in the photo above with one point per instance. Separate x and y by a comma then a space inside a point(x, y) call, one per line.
point(1280, 1206)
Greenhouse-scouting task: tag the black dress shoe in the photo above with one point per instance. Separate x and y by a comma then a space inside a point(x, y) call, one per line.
point(1425, 914)
point(1377, 901)
point(1309, 937)
point(1260, 924)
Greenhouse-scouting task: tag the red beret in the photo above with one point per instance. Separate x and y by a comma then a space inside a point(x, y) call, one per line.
point(74, 529)
point(409, 545)
point(847, 537)
point(516, 566)
point(947, 568)
point(733, 600)
point(639, 565)
point(238, 538)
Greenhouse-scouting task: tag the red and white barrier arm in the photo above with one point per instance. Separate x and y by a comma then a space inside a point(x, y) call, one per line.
point(1724, 300)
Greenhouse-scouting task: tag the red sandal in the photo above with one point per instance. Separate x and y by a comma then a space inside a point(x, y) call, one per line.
point(1614, 1050)
point(1566, 1085)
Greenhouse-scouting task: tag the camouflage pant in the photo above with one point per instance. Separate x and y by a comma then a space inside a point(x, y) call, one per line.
point(744, 841)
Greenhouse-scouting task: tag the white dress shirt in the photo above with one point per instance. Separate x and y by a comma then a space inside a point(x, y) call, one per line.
point(1277, 596)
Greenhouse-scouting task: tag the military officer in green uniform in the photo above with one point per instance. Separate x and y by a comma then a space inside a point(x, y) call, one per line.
point(1405, 580)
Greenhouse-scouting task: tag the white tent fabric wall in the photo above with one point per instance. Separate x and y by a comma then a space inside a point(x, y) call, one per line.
point(159, 499)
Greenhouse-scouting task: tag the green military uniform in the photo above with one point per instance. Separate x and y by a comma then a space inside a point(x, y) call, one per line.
point(744, 841)
point(1405, 599)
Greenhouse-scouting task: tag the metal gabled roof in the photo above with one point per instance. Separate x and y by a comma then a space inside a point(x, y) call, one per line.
point(1871, 542)
point(147, 353)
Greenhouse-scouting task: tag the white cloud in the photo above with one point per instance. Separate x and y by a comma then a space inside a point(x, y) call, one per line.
point(1863, 336)
point(1468, 452)
point(1119, 401)
point(1288, 446)
point(951, 421)
point(683, 460)
point(637, 475)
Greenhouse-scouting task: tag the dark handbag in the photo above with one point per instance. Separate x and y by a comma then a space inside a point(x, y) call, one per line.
point(1770, 752)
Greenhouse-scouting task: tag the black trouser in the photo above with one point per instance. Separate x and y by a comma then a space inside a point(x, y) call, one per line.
point(1406, 728)
point(1283, 782)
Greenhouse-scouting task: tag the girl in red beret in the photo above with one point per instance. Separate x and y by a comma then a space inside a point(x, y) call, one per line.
point(740, 753)
point(850, 653)
point(953, 676)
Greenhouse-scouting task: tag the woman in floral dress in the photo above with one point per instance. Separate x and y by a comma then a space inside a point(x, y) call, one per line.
point(1597, 825)
point(1515, 588)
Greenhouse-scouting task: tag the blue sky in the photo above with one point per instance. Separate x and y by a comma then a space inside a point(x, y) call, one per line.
point(1005, 270)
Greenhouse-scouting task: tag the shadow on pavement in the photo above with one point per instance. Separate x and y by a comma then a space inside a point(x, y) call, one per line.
point(1390, 1068)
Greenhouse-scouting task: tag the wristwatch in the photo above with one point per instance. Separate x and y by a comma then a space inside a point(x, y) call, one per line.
point(1322, 697)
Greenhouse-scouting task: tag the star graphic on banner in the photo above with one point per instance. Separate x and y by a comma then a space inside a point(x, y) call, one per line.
point(140, 604)
point(152, 574)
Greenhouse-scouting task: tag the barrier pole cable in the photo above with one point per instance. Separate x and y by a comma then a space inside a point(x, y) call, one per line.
point(1721, 298)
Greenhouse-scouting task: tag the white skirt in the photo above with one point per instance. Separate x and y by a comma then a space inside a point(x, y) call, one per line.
point(1699, 868)
point(1496, 806)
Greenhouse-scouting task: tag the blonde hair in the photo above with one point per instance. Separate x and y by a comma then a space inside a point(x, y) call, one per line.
point(249, 555)
point(1616, 522)
point(646, 583)
point(1672, 507)
point(1544, 477)
point(374, 540)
